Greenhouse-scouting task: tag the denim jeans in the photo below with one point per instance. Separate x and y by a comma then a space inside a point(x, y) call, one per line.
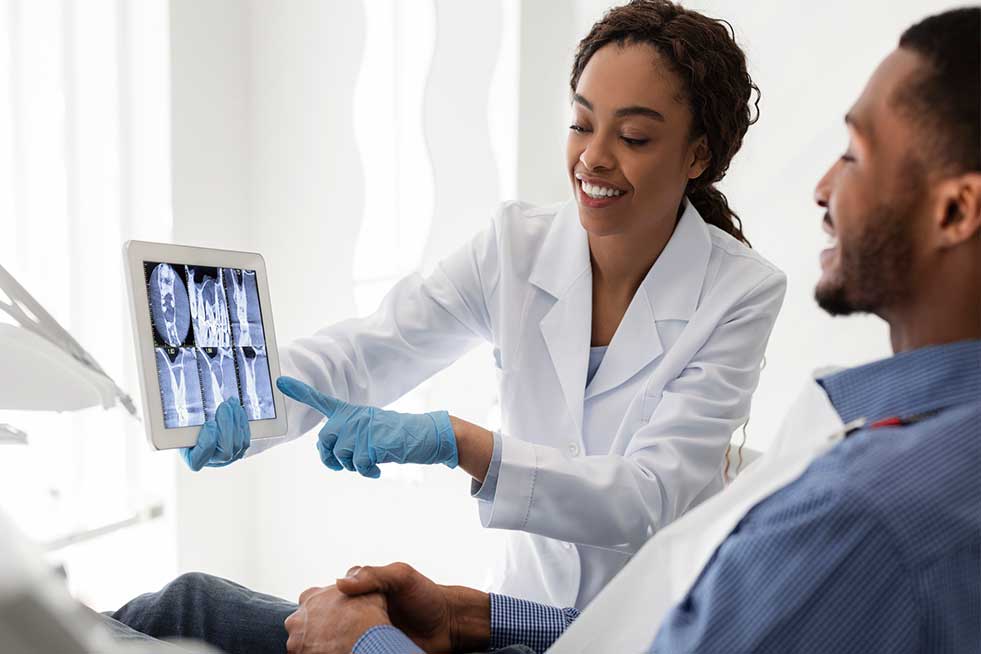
point(223, 614)
point(219, 612)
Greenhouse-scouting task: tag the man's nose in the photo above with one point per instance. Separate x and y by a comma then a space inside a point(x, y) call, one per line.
point(822, 192)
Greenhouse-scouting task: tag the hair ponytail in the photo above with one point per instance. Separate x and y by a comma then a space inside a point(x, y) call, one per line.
point(714, 209)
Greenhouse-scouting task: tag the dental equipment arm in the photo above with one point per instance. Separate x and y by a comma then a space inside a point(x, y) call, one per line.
point(45, 368)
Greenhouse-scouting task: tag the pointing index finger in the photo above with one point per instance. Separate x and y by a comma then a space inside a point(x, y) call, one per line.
point(308, 395)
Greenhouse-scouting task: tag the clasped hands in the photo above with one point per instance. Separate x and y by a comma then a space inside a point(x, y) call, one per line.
point(437, 618)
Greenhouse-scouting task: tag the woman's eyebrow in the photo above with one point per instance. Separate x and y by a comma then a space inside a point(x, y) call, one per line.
point(634, 110)
point(639, 111)
point(583, 101)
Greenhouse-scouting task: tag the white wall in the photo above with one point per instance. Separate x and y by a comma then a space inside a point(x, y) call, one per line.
point(266, 156)
point(210, 154)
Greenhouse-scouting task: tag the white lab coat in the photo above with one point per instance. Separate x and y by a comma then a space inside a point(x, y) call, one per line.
point(675, 382)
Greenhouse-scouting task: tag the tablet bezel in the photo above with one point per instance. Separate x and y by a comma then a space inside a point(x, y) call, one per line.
point(136, 254)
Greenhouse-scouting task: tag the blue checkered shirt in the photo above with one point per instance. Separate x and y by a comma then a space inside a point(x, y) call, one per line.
point(875, 548)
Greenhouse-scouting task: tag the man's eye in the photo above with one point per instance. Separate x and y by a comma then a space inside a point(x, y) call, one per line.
point(847, 157)
point(633, 141)
point(578, 128)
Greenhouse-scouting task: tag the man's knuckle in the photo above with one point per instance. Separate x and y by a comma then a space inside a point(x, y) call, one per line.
point(402, 567)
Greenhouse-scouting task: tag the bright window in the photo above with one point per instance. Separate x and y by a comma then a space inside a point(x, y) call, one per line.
point(84, 165)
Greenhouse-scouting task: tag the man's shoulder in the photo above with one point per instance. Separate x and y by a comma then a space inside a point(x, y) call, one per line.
point(919, 481)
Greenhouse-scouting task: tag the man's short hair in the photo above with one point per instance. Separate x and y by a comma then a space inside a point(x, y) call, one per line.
point(945, 99)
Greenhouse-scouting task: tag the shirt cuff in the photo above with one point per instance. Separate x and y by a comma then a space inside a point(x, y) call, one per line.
point(385, 639)
point(486, 491)
point(520, 622)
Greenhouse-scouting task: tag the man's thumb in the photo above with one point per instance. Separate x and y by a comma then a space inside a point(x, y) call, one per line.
point(359, 580)
point(369, 579)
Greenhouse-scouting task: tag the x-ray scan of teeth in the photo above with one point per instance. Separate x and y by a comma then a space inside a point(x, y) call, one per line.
point(170, 307)
point(209, 307)
point(180, 387)
point(243, 306)
point(253, 369)
point(210, 345)
point(218, 381)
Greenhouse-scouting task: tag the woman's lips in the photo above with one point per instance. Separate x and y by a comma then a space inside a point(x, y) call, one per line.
point(597, 203)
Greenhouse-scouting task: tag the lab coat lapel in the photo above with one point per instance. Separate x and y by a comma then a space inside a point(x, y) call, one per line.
point(635, 344)
point(562, 270)
point(670, 291)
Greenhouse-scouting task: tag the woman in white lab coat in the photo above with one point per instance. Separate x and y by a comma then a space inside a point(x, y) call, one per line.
point(628, 324)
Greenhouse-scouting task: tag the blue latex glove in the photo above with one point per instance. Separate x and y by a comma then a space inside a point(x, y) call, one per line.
point(222, 440)
point(360, 437)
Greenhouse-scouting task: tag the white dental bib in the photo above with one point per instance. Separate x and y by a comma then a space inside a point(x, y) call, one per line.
point(626, 616)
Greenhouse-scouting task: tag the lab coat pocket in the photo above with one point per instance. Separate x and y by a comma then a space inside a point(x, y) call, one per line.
point(650, 397)
point(668, 367)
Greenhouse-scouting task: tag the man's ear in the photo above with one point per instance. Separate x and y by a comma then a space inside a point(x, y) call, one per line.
point(958, 214)
point(700, 156)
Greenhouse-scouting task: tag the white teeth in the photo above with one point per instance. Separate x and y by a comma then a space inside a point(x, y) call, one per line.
point(598, 192)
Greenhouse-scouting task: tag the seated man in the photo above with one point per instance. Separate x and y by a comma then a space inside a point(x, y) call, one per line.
point(870, 540)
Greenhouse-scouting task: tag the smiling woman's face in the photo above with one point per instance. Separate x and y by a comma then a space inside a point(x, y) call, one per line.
point(629, 153)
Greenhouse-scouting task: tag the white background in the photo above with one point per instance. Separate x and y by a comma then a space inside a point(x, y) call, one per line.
point(352, 142)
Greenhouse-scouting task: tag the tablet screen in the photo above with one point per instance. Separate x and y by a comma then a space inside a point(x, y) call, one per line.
point(208, 342)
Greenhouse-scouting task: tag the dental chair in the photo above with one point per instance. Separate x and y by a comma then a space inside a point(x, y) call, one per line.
point(45, 369)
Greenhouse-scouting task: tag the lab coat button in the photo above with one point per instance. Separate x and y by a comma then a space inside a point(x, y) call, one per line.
point(574, 449)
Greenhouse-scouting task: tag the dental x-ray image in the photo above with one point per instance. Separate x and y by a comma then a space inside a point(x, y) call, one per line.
point(256, 385)
point(180, 386)
point(209, 342)
point(170, 308)
point(243, 305)
point(209, 308)
point(218, 380)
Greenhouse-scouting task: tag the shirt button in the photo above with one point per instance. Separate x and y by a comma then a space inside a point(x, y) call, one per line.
point(568, 546)
point(574, 449)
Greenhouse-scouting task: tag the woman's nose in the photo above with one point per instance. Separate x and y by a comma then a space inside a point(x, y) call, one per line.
point(597, 156)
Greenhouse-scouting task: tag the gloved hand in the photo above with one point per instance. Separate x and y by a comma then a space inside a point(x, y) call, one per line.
point(360, 437)
point(222, 440)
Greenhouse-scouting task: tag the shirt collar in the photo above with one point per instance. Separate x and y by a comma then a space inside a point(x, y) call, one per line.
point(924, 380)
point(673, 285)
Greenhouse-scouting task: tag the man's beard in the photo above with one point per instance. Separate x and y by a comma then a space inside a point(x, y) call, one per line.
point(875, 267)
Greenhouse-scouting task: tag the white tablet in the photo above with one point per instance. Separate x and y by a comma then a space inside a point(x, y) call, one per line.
point(204, 333)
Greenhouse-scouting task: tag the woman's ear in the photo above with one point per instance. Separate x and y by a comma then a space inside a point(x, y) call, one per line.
point(699, 157)
point(958, 210)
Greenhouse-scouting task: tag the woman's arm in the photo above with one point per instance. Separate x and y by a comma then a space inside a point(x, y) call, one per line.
point(475, 446)
point(422, 326)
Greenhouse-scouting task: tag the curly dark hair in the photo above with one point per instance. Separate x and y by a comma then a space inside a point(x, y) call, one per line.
point(703, 52)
